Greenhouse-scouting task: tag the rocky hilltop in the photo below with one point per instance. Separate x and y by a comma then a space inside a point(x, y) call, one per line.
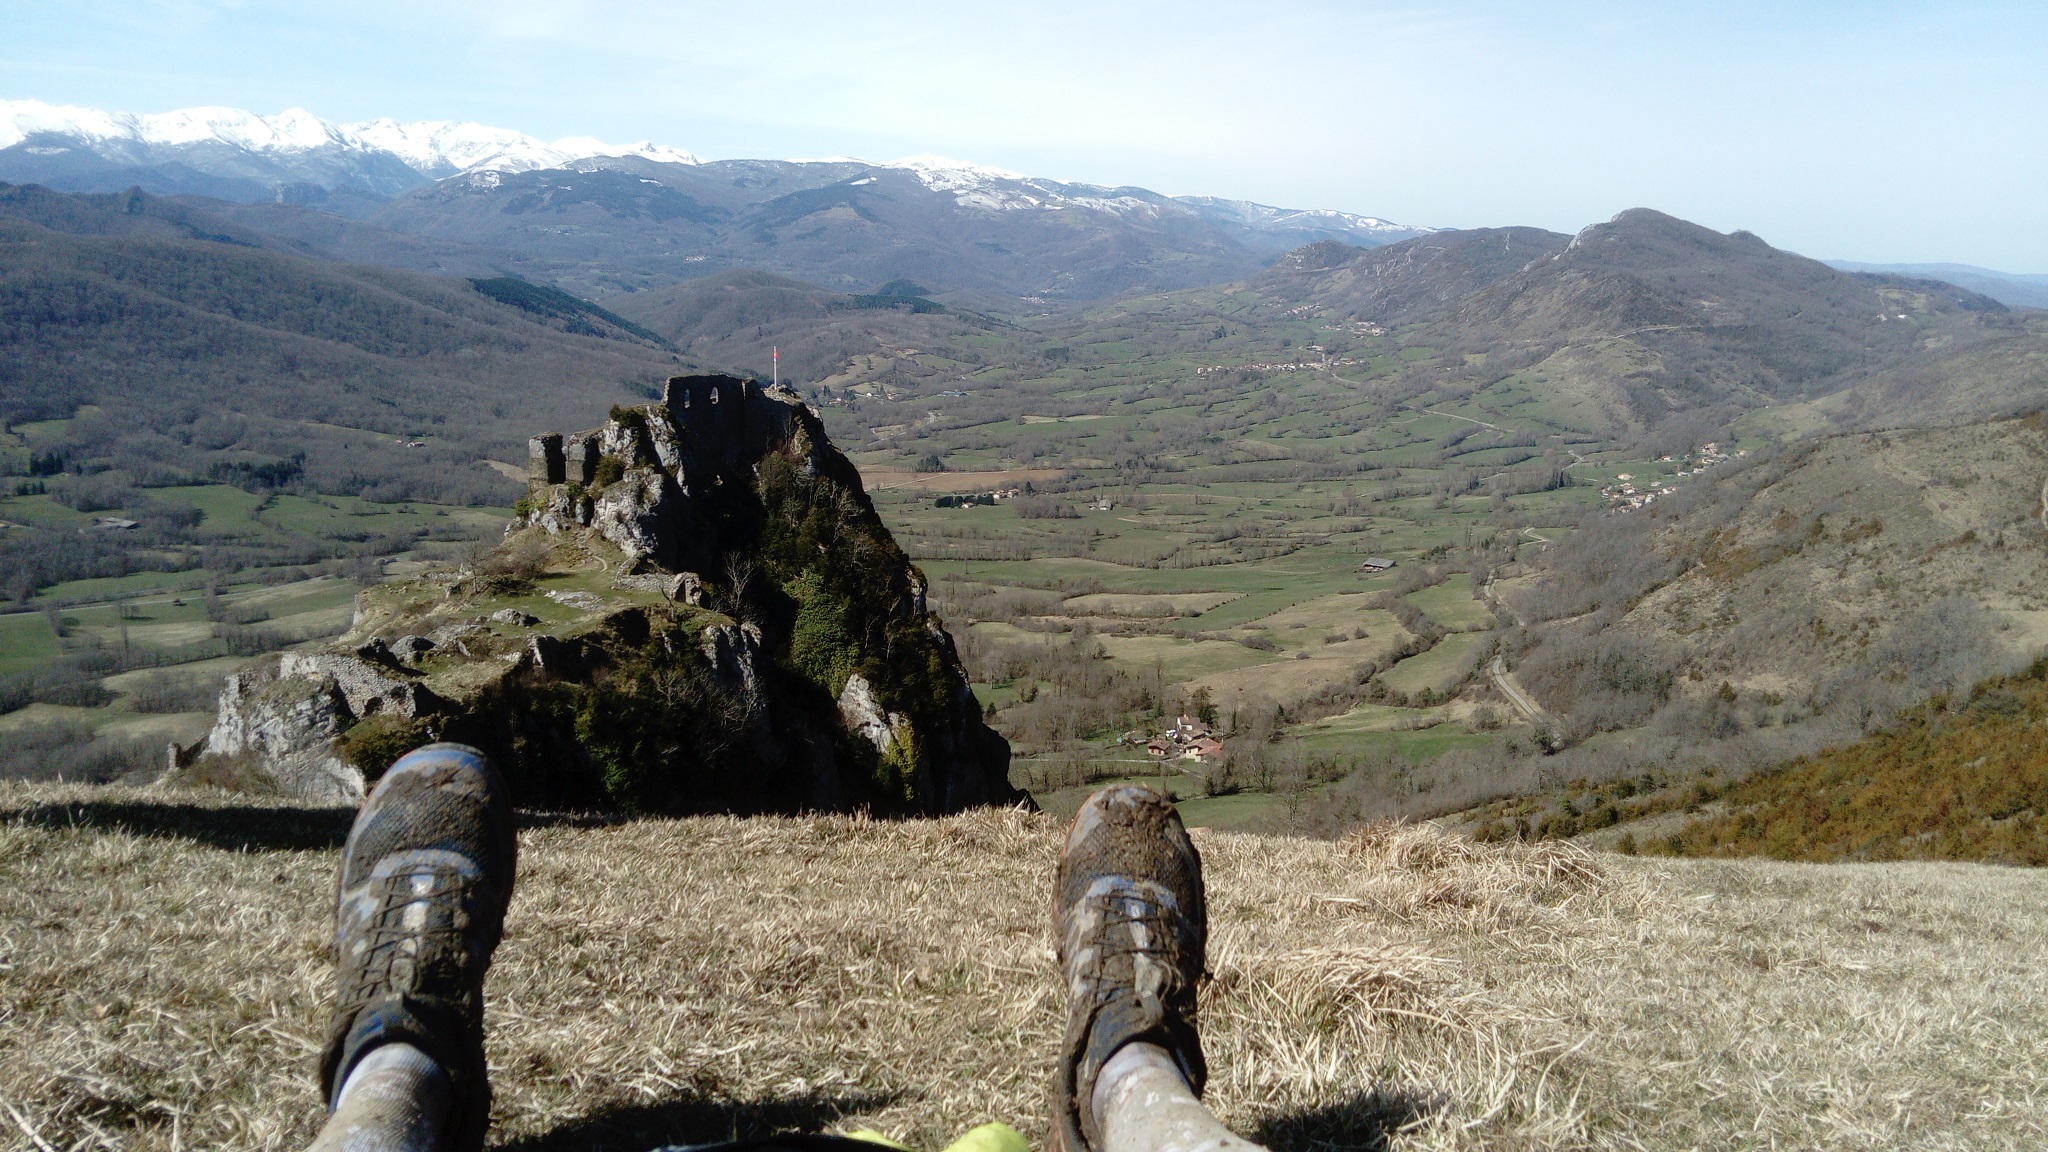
point(697, 610)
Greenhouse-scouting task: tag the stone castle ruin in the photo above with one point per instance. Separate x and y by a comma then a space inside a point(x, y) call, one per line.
point(646, 480)
point(719, 622)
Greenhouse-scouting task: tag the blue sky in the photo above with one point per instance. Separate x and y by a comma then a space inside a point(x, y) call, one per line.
point(1883, 132)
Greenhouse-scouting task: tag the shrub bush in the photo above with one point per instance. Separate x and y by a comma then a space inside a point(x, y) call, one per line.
point(1045, 508)
point(374, 743)
point(166, 692)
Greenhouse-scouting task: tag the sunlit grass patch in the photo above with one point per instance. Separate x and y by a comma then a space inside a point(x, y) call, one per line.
point(670, 981)
point(1439, 669)
point(1452, 604)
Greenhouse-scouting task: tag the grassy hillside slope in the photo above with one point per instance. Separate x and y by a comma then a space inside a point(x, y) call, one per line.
point(1645, 330)
point(1968, 784)
point(152, 366)
point(691, 980)
point(173, 330)
point(1796, 600)
point(1409, 281)
point(739, 317)
point(1651, 320)
point(1816, 577)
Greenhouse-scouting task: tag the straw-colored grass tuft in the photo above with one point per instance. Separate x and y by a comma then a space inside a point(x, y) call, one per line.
point(163, 981)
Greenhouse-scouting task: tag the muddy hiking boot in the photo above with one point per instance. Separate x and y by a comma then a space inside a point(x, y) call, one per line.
point(1132, 927)
point(425, 878)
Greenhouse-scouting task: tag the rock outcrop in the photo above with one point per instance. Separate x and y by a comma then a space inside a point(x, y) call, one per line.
point(288, 724)
point(651, 479)
point(697, 610)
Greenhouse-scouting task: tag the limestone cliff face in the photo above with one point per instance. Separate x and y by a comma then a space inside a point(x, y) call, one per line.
point(289, 724)
point(698, 610)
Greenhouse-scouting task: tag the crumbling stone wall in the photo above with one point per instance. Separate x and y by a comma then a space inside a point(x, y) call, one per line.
point(643, 478)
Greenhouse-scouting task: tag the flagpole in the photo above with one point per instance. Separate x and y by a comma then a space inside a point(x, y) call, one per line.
point(775, 369)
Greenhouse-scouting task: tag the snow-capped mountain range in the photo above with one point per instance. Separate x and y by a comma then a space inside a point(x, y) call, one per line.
point(432, 149)
point(597, 218)
point(385, 157)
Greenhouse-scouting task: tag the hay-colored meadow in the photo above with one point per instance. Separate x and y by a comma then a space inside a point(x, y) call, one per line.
point(163, 981)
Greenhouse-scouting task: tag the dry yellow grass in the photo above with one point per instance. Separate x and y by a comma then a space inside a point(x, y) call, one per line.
point(162, 976)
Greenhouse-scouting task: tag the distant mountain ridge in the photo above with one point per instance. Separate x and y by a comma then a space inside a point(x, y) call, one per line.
point(1645, 318)
point(1400, 283)
point(376, 158)
point(983, 237)
point(2015, 289)
point(602, 218)
point(204, 348)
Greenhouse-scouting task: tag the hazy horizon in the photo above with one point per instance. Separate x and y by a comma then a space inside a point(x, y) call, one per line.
point(1885, 136)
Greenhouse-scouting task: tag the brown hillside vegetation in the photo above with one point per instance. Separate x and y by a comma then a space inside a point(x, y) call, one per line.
point(1967, 785)
point(669, 981)
point(736, 317)
point(202, 354)
point(1850, 575)
point(1647, 324)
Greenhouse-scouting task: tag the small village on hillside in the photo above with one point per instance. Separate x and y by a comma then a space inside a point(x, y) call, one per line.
point(1186, 739)
point(1627, 496)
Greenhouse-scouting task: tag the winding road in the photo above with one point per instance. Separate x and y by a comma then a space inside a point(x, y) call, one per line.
point(1504, 680)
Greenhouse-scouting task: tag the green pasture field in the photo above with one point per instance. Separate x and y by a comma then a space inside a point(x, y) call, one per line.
point(108, 589)
point(1441, 668)
point(227, 510)
point(39, 432)
point(1180, 660)
point(1307, 600)
point(231, 515)
point(1238, 812)
point(166, 631)
point(154, 618)
point(1451, 604)
point(26, 642)
point(1275, 559)
point(1311, 624)
point(171, 621)
point(1147, 604)
point(42, 512)
point(1378, 718)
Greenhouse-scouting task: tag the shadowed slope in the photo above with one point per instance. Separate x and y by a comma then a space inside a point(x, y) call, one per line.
point(167, 333)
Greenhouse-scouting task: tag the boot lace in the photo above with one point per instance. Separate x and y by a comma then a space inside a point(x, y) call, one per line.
point(403, 944)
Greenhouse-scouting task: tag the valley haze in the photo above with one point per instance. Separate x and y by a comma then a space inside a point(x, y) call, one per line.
point(238, 154)
point(357, 169)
